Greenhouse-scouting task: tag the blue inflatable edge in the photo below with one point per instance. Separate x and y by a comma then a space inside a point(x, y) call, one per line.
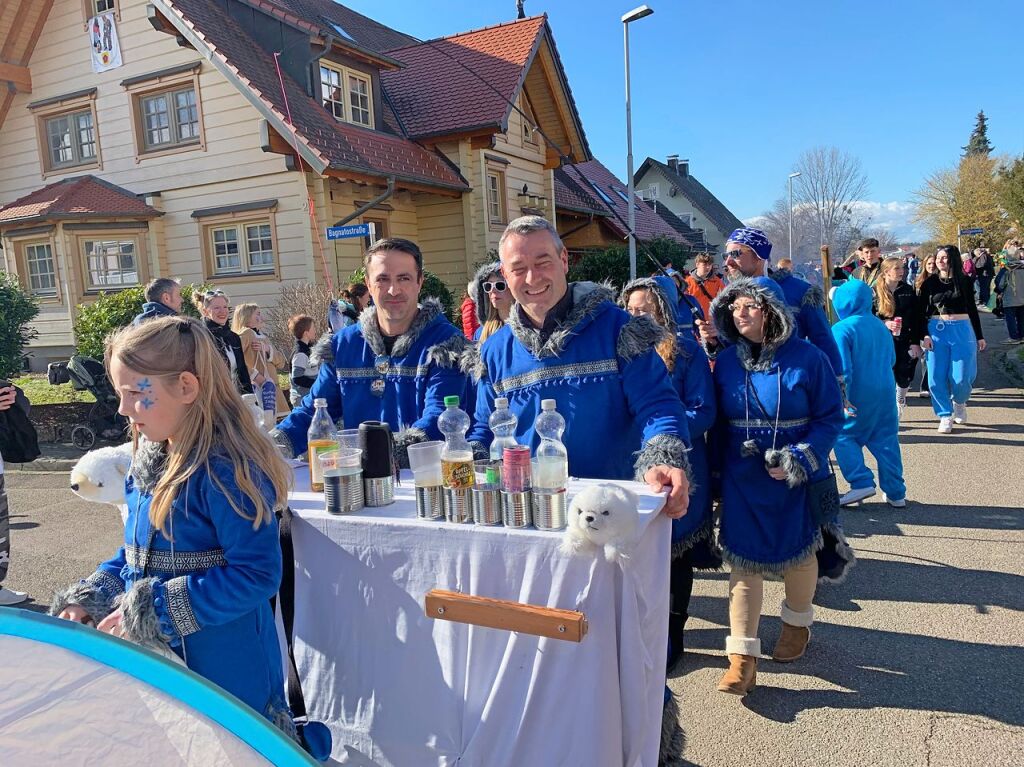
point(174, 680)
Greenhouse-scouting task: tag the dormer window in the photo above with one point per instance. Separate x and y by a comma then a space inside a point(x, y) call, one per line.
point(347, 94)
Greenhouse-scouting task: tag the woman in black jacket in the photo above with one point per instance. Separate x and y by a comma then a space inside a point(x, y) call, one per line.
point(213, 306)
point(896, 305)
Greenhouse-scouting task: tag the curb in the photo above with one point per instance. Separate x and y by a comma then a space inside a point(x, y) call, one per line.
point(1012, 367)
point(51, 465)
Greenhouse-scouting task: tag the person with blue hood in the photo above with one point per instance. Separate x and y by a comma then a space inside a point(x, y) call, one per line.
point(685, 308)
point(693, 543)
point(779, 412)
point(747, 254)
point(872, 419)
point(396, 365)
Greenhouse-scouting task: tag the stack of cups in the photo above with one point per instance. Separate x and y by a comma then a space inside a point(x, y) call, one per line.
point(487, 492)
point(343, 480)
point(378, 463)
point(425, 462)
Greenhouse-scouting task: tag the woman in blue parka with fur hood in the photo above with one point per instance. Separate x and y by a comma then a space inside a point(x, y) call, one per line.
point(779, 413)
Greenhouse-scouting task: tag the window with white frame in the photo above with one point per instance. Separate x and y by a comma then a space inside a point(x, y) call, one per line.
point(243, 248)
point(103, 6)
point(346, 94)
point(110, 263)
point(496, 197)
point(169, 119)
point(41, 270)
point(70, 140)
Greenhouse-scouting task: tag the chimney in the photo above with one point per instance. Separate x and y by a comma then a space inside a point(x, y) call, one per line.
point(673, 162)
point(683, 168)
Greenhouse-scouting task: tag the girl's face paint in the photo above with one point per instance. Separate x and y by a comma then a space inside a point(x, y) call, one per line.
point(154, 405)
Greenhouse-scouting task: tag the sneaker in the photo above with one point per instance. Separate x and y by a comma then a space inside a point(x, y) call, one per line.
point(901, 395)
point(959, 413)
point(900, 504)
point(900, 407)
point(855, 496)
point(10, 597)
point(945, 425)
point(1010, 341)
point(924, 393)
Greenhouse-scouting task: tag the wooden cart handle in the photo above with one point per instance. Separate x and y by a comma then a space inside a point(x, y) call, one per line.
point(551, 622)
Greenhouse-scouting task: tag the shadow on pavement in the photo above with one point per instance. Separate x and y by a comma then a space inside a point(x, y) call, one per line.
point(879, 519)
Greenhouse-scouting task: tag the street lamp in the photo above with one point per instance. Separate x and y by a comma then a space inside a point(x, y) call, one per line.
point(633, 15)
point(791, 177)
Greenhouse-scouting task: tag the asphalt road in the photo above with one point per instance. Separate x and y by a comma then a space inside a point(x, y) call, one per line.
point(916, 660)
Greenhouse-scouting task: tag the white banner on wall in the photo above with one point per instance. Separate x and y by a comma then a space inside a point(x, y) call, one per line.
point(106, 48)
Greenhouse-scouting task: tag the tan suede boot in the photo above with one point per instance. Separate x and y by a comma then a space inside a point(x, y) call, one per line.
point(741, 676)
point(792, 643)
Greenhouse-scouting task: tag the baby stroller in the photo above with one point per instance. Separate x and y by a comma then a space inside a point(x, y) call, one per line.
point(103, 421)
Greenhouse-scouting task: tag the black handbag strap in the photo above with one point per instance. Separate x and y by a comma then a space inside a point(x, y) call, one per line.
point(761, 407)
point(703, 290)
point(293, 688)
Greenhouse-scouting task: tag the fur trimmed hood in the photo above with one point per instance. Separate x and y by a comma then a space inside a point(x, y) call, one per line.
point(779, 326)
point(430, 309)
point(587, 299)
point(476, 289)
point(661, 298)
point(813, 296)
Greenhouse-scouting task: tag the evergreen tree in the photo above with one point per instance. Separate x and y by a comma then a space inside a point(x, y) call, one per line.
point(979, 143)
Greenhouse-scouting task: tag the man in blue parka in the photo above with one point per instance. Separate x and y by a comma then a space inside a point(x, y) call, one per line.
point(396, 365)
point(872, 420)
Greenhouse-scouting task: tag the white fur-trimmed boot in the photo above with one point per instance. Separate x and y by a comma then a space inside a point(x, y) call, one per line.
point(742, 674)
point(796, 633)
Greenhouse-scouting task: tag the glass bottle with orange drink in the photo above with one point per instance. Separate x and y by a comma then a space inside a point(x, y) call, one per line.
point(321, 437)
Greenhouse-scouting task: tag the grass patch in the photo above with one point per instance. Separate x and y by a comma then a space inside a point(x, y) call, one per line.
point(39, 392)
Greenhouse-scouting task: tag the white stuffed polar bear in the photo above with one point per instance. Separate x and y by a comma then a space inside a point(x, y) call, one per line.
point(602, 516)
point(99, 474)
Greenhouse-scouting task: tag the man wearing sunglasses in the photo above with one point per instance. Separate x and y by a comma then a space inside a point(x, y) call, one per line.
point(396, 365)
point(746, 255)
point(571, 343)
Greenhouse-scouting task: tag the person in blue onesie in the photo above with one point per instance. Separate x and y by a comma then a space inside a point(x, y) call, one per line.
point(872, 418)
point(396, 365)
point(693, 543)
point(571, 343)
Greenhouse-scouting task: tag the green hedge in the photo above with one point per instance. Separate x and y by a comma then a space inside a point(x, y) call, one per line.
point(113, 311)
point(17, 309)
point(432, 286)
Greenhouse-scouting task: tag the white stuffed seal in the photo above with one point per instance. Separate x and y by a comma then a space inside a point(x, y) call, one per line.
point(99, 474)
point(602, 516)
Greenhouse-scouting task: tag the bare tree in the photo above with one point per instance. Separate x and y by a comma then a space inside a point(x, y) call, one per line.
point(830, 182)
point(775, 223)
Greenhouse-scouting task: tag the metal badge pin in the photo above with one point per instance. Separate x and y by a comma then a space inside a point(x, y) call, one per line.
point(382, 364)
point(377, 387)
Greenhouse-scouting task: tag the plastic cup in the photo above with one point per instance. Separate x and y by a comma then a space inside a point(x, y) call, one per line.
point(425, 462)
point(349, 438)
point(341, 462)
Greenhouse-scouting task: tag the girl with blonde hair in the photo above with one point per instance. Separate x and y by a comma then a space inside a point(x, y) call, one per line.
point(201, 557)
point(493, 301)
point(896, 305)
point(262, 360)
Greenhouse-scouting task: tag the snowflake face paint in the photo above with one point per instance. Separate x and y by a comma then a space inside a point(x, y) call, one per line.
point(153, 404)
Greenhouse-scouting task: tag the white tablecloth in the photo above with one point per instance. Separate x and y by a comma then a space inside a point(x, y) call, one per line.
point(398, 688)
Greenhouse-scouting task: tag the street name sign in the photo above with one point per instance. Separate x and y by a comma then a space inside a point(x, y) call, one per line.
point(344, 232)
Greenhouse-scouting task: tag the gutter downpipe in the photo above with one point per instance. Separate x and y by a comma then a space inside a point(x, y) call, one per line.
point(371, 204)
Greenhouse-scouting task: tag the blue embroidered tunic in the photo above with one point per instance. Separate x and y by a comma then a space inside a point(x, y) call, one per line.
point(601, 368)
point(405, 389)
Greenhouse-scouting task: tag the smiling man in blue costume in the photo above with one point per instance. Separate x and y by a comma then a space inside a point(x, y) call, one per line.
point(396, 365)
point(747, 254)
point(571, 343)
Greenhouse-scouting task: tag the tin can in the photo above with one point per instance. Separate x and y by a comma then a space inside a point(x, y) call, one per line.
point(515, 469)
point(898, 321)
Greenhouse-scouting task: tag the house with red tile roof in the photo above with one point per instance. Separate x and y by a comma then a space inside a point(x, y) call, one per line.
point(226, 136)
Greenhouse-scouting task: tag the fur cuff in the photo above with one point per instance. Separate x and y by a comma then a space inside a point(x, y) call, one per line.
point(95, 595)
point(814, 296)
point(638, 336)
point(743, 646)
point(280, 439)
point(448, 353)
point(480, 452)
point(141, 622)
point(673, 739)
point(322, 351)
point(472, 364)
point(407, 436)
point(664, 450)
point(793, 618)
point(836, 556)
point(788, 459)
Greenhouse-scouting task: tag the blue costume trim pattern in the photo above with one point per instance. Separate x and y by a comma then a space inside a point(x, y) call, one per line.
point(179, 562)
point(179, 606)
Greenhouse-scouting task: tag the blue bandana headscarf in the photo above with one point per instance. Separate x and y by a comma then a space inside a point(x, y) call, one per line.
point(754, 239)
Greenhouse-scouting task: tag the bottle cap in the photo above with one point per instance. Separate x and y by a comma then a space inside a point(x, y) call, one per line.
point(320, 402)
point(500, 402)
point(452, 400)
point(547, 404)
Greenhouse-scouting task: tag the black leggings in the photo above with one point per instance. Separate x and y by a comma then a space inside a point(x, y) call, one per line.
point(905, 365)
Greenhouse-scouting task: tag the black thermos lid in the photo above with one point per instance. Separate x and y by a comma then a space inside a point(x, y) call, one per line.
point(378, 449)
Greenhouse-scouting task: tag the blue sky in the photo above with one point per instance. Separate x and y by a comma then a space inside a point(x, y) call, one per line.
point(741, 87)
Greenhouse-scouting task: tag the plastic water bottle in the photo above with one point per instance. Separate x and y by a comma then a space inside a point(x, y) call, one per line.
point(552, 472)
point(503, 425)
point(456, 455)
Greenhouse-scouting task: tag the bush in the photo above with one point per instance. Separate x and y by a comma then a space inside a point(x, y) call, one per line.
point(17, 309)
point(299, 298)
point(612, 264)
point(432, 286)
point(113, 311)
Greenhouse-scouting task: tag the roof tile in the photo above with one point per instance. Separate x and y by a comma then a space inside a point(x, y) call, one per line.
point(77, 198)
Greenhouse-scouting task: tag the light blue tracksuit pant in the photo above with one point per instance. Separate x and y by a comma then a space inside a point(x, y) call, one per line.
point(952, 363)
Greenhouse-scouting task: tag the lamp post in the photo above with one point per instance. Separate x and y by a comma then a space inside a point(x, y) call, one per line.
point(791, 177)
point(633, 15)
